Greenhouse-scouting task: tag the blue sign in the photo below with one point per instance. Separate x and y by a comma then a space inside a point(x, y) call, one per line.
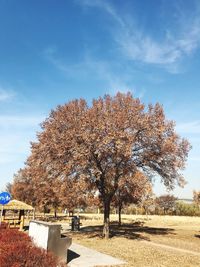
point(5, 197)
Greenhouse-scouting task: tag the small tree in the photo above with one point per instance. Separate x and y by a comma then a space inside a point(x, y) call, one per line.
point(167, 203)
point(196, 197)
point(130, 190)
point(33, 186)
point(23, 188)
point(147, 200)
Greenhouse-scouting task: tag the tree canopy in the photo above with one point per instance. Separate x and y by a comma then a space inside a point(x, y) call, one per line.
point(101, 147)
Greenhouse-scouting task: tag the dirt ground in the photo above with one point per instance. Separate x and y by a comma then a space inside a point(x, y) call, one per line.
point(145, 241)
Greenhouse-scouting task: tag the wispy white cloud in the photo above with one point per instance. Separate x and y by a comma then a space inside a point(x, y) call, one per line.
point(20, 121)
point(104, 71)
point(7, 158)
point(137, 45)
point(17, 131)
point(89, 66)
point(192, 127)
point(104, 5)
point(6, 94)
point(197, 159)
point(15, 136)
point(191, 131)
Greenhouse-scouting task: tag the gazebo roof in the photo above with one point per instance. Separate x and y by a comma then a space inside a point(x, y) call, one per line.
point(16, 205)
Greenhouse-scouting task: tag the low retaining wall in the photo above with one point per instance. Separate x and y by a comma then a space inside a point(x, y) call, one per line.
point(47, 235)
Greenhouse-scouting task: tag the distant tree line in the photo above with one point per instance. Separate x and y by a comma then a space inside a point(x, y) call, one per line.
point(168, 205)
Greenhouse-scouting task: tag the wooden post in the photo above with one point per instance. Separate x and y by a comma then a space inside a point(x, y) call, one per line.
point(1, 218)
point(34, 214)
point(3, 215)
point(21, 219)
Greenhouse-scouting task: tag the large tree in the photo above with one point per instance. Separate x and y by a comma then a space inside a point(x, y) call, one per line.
point(97, 145)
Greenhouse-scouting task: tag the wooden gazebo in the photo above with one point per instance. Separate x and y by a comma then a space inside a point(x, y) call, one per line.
point(13, 213)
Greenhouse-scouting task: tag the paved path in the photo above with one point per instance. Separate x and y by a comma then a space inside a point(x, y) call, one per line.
point(80, 256)
point(150, 243)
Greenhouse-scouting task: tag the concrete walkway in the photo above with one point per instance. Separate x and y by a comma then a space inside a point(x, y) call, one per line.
point(174, 249)
point(80, 256)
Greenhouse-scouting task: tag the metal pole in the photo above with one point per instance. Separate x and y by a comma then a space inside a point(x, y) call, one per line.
point(1, 214)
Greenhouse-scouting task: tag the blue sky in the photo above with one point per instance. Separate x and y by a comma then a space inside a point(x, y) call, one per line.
point(53, 51)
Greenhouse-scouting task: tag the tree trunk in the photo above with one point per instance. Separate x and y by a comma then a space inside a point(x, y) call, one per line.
point(119, 213)
point(34, 214)
point(147, 213)
point(44, 211)
point(55, 213)
point(106, 226)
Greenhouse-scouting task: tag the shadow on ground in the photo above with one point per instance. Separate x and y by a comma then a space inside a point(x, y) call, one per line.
point(71, 255)
point(198, 236)
point(26, 228)
point(130, 230)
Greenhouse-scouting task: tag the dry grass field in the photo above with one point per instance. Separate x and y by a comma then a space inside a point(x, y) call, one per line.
point(143, 242)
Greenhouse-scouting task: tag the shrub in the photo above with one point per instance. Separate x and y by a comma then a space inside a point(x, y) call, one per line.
point(185, 209)
point(8, 236)
point(17, 250)
point(3, 225)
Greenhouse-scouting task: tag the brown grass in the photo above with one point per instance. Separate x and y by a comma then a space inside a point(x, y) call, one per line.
point(127, 241)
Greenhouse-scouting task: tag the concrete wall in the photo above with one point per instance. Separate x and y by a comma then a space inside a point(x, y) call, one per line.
point(39, 233)
point(47, 235)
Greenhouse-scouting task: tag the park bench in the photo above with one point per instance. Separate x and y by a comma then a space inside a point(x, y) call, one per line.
point(48, 236)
